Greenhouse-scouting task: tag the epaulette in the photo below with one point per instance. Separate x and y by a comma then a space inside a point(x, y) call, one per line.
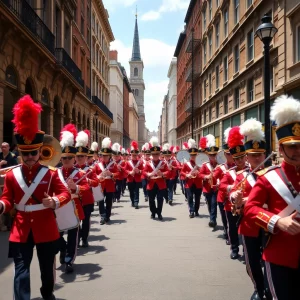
point(13, 155)
point(242, 171)
point(51, 168)
point(266, 170)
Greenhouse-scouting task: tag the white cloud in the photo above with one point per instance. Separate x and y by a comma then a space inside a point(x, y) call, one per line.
point(112, 5)
point(166, 6)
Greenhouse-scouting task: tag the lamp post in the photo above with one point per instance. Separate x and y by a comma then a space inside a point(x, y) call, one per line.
point(266, 32)
point(96, 115)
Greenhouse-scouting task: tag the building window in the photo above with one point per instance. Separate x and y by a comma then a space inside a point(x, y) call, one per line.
point(45, 96)
point(210, 9)
point(204, 19)
point(204, 89)
point(11, 76)
point(271, 79)
point(217, 76)
point(210, 84)
point(298, 43)
point(249, 3)
point(236, 58)
point(226, 23)
point(236, 11)
point(250, 44)
point(204, 117)
point(236, 98)
point(225, 103)
point(204, 53)
point(93, 21)
point(137, 92)
point(88, 38)
point(250, 87)
point(82, 25)
point(217, 34)
point(88, 14)
point(136, 72)
point(217, 109)
point(225, 67)
point(209, 114)
point(210, 44)
point(217, 3)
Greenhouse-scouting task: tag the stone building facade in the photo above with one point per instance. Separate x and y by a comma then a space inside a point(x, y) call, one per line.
point(133, 119)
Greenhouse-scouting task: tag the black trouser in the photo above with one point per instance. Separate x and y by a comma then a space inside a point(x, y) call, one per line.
point(159, 194)
point(190, 192)
point(70, 247)
point(108, 203)
point(117, 194)
point(223, 217)
point(86, 224)
point(134, 191)
point(175, 184)
point(124, 185)
point(22, 254)
point(252, 250)
point(283, 281)
point(233, 231)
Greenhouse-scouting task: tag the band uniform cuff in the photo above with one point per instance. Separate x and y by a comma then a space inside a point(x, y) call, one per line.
point(57, 203)
point(77, 189)
point(2, 210)
point(272, 223)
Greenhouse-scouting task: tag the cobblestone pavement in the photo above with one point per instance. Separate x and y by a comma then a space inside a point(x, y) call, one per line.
point(138, 258)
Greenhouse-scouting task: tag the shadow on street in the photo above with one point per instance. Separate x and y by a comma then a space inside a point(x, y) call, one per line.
point(4, 261)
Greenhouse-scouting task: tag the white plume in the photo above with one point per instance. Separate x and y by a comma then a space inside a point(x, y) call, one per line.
point(226, 134)
point(211, 141)
point(82, 139)
point(123, 150)
point(192, 143)
point(116, 147)
point(166, 147)
point(285, 110)
point(94, 146)
point(252, 130)
point(146, 146)
point(67, 139)
point(106, 143)
point(154, 141)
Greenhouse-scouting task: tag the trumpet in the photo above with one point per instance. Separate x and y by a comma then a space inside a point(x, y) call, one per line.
point(196, 168)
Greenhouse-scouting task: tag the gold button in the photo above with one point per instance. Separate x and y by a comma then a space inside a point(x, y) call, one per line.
point(29, 181)
point(30, 172)
point(31, 220)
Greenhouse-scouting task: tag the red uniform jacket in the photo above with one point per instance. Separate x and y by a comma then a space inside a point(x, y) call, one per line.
point(130, 165)
point(87, 196)
point(42, 223)
point(108, 184)
point(204, 171)
point(283, 249)
point(186, 169)
point(161, 182)
point(121, 164)
point(173, 167)
point(77, 194)
point(145, 160)
point(218, 174)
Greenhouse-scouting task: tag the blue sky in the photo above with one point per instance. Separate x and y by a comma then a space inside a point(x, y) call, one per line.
point(160, 22)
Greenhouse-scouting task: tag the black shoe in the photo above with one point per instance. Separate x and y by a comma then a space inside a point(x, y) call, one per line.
point(136, 206)
point(146, 199)
point(52, 297)
point(132, 204)
point(211, 224)
point(160, 217)
point(256, 296)
point(152, 216)
point(174, 192)
point(62, 256)
point(69, 268)
point(234, 255)
point(192, 215)
point(170, 202)
point(107, 220)
point(197, 214)
point(227, 242)
point(85, 244)
point(102, 221)
point(167, 201)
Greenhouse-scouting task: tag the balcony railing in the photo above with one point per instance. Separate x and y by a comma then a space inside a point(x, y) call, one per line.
point(192, 42)
point(31, 20)
point(88, 92)
point(102, 106)
point(188, 75)
point(66, 61)
point(188, 106)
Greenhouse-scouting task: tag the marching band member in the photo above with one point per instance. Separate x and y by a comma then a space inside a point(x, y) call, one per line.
point(193, 181)
point(87, 197)
point(120, 163)
point(69, 175)
point(252, 240)
point(108, 174)
point(279, 188)
point(210, 188)
point(147, 157)
point(28, 189)
point(134, 168)
point(172, 166)
point(155, 171)
point(174, 153)
point(238, 153)
point(185, 146)
point(124, 156)
point(218, 174)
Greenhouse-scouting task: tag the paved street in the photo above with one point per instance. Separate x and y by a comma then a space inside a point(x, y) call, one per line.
point(138, 258)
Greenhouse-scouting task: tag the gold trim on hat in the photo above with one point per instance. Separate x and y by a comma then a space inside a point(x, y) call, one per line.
point(296, 129)
point(255, 145)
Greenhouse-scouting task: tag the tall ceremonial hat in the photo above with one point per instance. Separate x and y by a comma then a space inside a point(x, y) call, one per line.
point(82, 140)
point(26, 119)
point(236, 142)
point(143, 149)
point(193, 150)
point(166, 149)
point(155, 149)
point(123, 151)
point(211, 147)
point(185, 146)
point(176, 149)
point(254, 136)
point(116, 149)
point(147, 147)
point(106, 146)
point(202, 144)
point(225, 146)
point(285, 112)
point(67, 140)
point(94, 149)
point(134, 147)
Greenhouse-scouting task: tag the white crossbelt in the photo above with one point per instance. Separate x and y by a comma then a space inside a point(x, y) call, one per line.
point(30, 208)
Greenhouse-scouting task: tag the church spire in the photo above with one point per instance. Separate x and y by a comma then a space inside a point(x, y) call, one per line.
point(136, 53)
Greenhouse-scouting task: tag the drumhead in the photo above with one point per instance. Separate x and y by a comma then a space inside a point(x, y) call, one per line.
point(183, 156)
point(201, 158)
point(221, 159)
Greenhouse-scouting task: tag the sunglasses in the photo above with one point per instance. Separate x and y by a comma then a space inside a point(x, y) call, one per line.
point(32, 153)
point(68, 157)
point(80, 156)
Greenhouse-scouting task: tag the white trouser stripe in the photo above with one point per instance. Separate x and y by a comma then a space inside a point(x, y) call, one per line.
point(269, 276)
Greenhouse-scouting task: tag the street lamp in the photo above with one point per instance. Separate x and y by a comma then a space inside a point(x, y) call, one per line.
point(266, 32)
point(96, 115)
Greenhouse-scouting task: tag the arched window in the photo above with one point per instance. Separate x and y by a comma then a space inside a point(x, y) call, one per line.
point(45, 96)
point(11, 76)
point(135, 72)
point(136, 92)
